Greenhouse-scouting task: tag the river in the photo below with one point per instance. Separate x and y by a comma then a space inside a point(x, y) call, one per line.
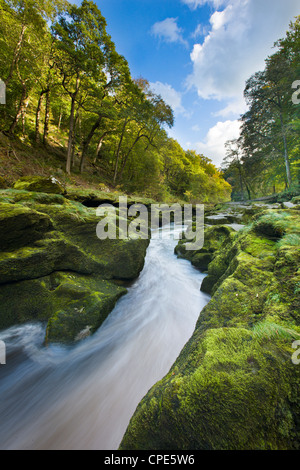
point(82, 397)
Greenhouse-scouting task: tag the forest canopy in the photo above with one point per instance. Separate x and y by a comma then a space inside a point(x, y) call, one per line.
point(68, 87)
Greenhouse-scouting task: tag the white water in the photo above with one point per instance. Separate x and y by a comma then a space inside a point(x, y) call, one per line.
point(83, 397)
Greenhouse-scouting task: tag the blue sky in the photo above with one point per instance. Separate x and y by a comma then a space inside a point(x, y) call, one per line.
point(197, 54)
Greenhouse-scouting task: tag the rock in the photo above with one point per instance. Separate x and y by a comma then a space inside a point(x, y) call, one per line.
point(66, 300)
point(25, 301)
point(30, 199)
point(296, 200)
point(288, 205)
point(21, 226)
point(202, 260)
point(83, 301)
point(217, 219)
point(44, 236)
point(40, 184)
point(228, 390)
point(84, 333)
point(234, 385)
point(214, 237)
point(236, 227)
point(45, 257)
point(271, 224)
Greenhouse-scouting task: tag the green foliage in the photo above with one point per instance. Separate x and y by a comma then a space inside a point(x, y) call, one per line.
point(266, 157)
point(68, 87)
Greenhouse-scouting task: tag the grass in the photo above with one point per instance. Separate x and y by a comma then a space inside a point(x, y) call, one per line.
point(270, 330)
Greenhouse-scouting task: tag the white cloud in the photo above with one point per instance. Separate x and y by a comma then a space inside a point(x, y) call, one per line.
point(193, 4)
point(169, 31)
point(240, 39)
point(172, 97)
point(218, 19)
point(213, 146)
point(235, 107)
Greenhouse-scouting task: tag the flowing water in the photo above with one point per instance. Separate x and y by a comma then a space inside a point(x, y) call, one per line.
point(82, 397)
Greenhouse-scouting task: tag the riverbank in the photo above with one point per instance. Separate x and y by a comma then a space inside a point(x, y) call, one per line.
point(53, 267)
point(82, 396)
point(235, 384)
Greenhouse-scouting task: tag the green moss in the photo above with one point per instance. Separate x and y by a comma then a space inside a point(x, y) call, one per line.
point(67, 300)
point(43, 234)
point(80, 302)
point(20, 226)
point(235, 396)
point(234, 386)
point(25, 301)
point(214, 238)
point(30, 198)
point(40, 184)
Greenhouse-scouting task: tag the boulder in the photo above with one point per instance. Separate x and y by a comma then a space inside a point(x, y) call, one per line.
point(40, 184)
point(20, 226)
point(44, 237)
point(84, 303)
point(214, 237)
point(66, 300)
point(234, 385)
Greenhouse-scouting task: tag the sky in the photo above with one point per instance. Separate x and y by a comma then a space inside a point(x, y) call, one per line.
point(198, 54)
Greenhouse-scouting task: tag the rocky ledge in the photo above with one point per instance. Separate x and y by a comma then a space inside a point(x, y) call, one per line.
point(236, 383)
point(53, 267)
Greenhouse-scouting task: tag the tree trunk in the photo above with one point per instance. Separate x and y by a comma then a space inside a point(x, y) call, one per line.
point(23, 114)
point(71, 136)
point(87, 142)
point(241, 180)
point(72, 126)
point(139, 136)
point(286, 156)
point(16, 54)
point(59, 120)
point(118, 152)
point(47, 118)
point(37, 137)
point(100, 143)
point(20, 110)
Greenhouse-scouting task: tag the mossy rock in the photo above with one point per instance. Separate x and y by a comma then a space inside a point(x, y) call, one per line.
point(66, 300)
point(272, 224)
point(228, 390)
point(296, 200)
point(25, 301)
point(43, 234)
point(202, 260)
point(119, 258)
point(234, 385)
point(21, 226)
point(30, 198)
point(214, 238)
point(62, 237)
point(84, 303)
point(43, 258)
point(40, 184)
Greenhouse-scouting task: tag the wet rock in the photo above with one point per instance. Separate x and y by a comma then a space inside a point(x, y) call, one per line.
point(234, 385)
point(20, 226)
point(45, 235)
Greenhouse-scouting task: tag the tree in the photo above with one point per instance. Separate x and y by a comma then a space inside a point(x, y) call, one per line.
point(82, 48)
